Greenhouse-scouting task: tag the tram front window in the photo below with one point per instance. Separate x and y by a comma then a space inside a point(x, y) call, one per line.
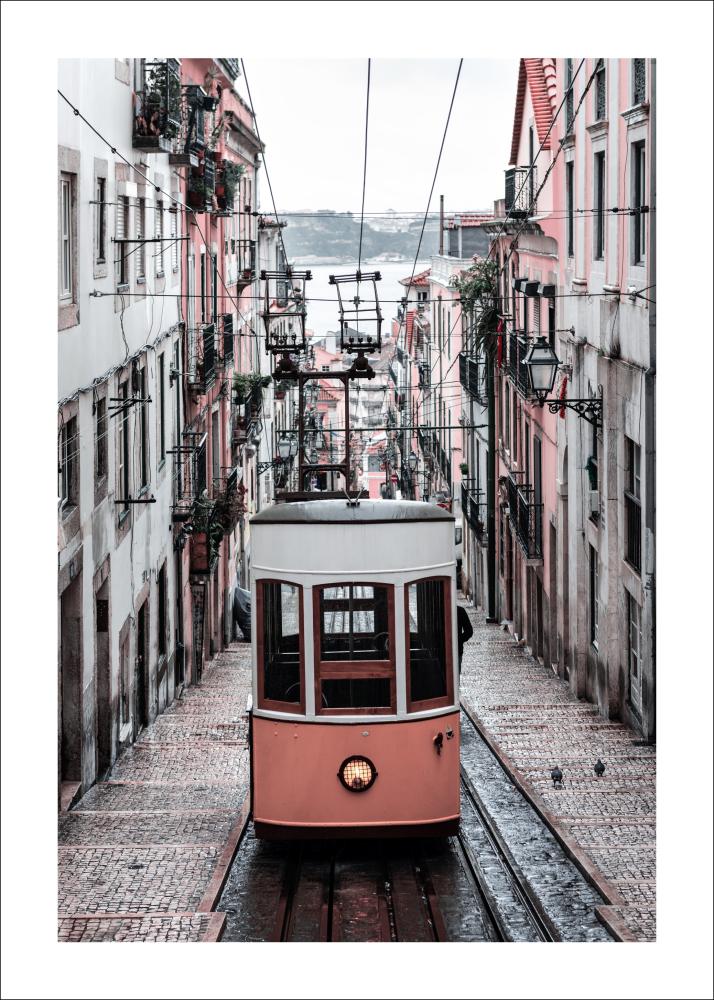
point(355, 661)
point(280, 649)
point(429, 626)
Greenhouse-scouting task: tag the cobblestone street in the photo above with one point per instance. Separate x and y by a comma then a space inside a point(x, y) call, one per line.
point(533, 723)
point(141, 857)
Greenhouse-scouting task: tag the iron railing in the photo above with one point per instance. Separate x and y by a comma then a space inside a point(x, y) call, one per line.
point(472, 506)
point(633, 531)
point(157, 108)
point(520, 192)
point(526, 517)
point(517, 371)
point(472, 374)
point(228, 339)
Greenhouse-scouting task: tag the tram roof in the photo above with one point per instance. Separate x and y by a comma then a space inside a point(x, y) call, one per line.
point(339, 512)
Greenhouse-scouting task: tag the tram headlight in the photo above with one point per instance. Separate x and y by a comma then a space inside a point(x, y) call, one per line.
point(357, 773)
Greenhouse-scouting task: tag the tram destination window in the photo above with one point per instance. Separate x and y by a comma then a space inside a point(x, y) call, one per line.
point(355, 669)
point(429, 618)
point(280, 645)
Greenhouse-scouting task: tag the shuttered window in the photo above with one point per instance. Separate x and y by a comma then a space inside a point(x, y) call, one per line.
point(65, 281)
point(159, 235)
point(140, 235)
point(122, 228)
point(174, 240)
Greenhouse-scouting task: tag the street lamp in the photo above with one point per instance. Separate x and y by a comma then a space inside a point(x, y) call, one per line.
point(541, 363)
point(412, 461)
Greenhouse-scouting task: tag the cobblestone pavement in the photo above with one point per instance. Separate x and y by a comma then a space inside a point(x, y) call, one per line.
point(534, 723)
point(140, 855)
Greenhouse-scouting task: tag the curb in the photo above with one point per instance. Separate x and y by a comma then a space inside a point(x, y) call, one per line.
point(576, 854)
point(218, 880)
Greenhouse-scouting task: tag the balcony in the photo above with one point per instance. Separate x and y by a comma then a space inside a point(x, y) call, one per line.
point(157, 107)
point(473, 507)
point(526, 518)
point(633, 531)
point(520, 192)
point(472, 375)
point(517, 371)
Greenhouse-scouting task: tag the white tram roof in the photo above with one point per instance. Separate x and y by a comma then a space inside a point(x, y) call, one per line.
point(339, 512)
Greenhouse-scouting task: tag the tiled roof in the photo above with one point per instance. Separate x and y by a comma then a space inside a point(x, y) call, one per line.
point(539, 76)
point(418, 279)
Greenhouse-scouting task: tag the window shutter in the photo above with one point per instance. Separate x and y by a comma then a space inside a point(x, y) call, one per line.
point(120, 248)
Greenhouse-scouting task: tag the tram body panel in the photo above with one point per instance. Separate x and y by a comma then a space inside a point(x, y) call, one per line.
point(297, 784)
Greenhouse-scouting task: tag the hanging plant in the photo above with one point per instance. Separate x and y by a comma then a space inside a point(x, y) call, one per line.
point(478, 294)
point(249, 384)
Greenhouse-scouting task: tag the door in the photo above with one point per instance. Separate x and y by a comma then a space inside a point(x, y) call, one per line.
point(635, 653)
point(141, 716)
point(180, 649)
point(71, 682)
point(104, 688)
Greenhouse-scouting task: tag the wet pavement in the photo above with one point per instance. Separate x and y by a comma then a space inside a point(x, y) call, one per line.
point(534, 722)
point(140, 853)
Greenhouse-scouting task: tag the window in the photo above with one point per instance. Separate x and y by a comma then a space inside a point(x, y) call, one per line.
point(66, 275)
point(162, 408)
point(280, 651)
point(123, 480)
point(141, 235)
point(100, 439)
point(569, 196)
point(159, 235)
point(214, 287)
point(506, 415)
point(216, 451)
point(639, 203)
point(122, 229)
point(355, 667)
point(639, 81)
point(430, 680)
point(634, 644)
point(551, 322)
point(174, 238)
point(594, 597)
point(531, 172)
point(599, 220)
point(162, 610)
point(600, 91)
point(143, 433)
point(633, 505)
point(199, 468)
point(203, 288)
point(69, 463)
point(101, 207)
point(569, 103)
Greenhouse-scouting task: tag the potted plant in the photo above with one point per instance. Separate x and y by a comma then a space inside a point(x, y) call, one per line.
point(464, 469)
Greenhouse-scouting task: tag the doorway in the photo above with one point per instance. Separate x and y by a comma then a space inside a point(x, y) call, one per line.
point(141, 701)
point(104, 679)
point(71, 682)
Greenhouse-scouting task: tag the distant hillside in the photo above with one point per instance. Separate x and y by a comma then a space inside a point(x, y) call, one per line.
point(334, 234)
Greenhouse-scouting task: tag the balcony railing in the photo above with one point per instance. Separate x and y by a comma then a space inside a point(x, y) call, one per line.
point(526, 517)
point(157, 108)
point(520, 192)
point(472, 374)
point(472, 506)
point(518, 373)
point(633, 531)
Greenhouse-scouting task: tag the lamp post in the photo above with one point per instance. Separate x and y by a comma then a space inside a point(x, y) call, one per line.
point(542, 365)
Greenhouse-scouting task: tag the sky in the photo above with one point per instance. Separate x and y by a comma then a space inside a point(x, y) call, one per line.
point(311, 117)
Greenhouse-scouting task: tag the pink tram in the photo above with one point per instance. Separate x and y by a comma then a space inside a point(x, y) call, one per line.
point(355, 716)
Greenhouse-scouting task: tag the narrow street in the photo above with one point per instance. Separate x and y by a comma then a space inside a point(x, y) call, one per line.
point(145, 855)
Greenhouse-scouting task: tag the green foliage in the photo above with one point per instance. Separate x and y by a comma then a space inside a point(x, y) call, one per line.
point(478, 292)
point(248, 384)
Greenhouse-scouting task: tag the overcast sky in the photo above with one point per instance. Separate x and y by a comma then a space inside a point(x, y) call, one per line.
point(311, 116)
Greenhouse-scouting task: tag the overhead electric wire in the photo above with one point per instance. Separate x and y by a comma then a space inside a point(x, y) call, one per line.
point(364, 173)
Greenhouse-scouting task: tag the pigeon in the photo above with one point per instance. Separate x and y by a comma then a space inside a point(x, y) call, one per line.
point(599, 768)
point(557, 776)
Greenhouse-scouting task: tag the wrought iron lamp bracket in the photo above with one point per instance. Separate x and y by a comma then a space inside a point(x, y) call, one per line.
point(588, 409)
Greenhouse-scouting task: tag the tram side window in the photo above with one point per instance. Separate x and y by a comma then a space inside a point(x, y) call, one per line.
point(427, 607)
point(356, 665)
point(281, 642)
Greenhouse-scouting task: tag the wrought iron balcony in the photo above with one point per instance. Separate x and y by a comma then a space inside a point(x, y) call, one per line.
point(517, 371)
point(472, 374)
point(520, 192)
point(473, 506)
point(526, 517)
point(157, 107)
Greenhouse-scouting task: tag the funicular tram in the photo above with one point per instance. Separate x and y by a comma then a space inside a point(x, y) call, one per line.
point(355, 721)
